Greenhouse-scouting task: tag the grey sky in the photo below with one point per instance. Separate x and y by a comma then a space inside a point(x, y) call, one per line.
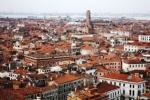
point(62, 6)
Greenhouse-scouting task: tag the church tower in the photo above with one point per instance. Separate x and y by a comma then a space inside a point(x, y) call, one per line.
point(88, 17)
point(88, 25)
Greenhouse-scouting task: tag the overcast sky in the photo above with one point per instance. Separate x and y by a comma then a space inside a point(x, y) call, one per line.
point(76, 6)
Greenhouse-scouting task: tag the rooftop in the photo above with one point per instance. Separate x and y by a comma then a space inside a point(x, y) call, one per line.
point(123, 77)
point(66, 78)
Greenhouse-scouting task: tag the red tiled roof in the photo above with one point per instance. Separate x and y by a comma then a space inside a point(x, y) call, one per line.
point(66, 78)
point(148, 83)
point(86, 65)
point(20, 71)
point(114, 59)
point(47, 49)
point(134, 60)
point(147, 94)
point(87, 47)
point(105, 87)
point(102, 69)
point(139, 44)
point(137, 71)
point(88, 38)
point(21, 93)
point(47, 88)
point(123, 77)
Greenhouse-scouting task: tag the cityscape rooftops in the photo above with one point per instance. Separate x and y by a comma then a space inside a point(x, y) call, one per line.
point(123, 77)
point(66, 78)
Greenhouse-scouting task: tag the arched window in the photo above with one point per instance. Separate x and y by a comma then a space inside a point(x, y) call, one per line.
point(133, 92)
point(124, 92)
point(130, 92)
point(139, 92)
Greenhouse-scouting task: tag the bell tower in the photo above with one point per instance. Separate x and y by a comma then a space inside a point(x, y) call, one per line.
point(88, 26)
point(88, 17)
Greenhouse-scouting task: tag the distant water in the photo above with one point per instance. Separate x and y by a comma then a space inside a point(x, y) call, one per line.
point(73, 16)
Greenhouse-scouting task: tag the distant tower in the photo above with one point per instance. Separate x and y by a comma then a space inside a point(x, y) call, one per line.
point(44, 21)
point(88, 27)
point(88, 17)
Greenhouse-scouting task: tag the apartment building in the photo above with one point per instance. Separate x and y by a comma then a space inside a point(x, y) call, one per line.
point(131, 86)
point(67, 83)
point(144, 38)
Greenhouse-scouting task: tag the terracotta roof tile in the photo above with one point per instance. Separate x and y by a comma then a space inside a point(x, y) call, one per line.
point(105, 87)
point(66, 78)
point(123, 77)
point(47, 88)
point(87, 47)
point(147, 95)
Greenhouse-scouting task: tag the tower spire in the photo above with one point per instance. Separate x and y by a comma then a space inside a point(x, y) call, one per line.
point(88, 25)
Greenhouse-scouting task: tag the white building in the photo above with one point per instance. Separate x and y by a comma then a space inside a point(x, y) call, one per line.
point(133, 64)
point(4, 23)
point(121, 33)
point(113, 91)
point(87, 50)
point(144, 38)
point(80, 61)
point(20, 45)
point(20, 25)
point(4, 74)
point(132, 47)
point(116, 41)
point(79, 36)
point(74, 49)
point(120, 41)
point(18, 37)
point(136, 63)
point(131, 86)
point(87, 68)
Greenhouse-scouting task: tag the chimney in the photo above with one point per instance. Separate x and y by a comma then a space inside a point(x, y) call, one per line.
point(16, 85)
point(141, 75)
point(29, 84)
point(51, 78)
point(68, 71)
point(33, 84)
point(56, 75)
point(84, 82)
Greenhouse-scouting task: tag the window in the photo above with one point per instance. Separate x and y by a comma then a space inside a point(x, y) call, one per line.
point(124, 92)
point(139, 92)
point(133, 92)
point(130, 92)
point(123, 84)
point(113, 94)
point(119, 84)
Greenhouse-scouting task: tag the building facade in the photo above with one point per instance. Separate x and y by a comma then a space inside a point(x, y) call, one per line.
point(131, 86)
point(144, 38)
